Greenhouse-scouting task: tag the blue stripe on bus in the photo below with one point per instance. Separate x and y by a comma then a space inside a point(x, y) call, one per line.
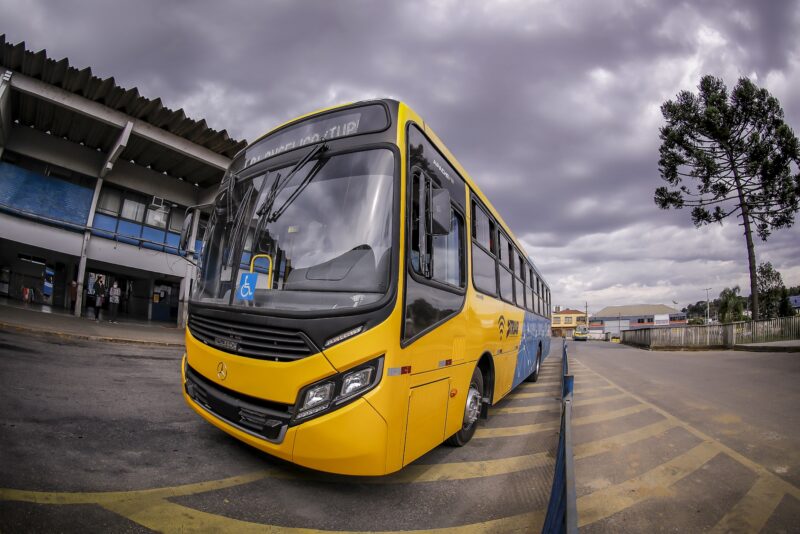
point(535, 330)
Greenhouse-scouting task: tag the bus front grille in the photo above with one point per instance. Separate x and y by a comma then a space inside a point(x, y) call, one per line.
point(263, 419)
point(251, 340)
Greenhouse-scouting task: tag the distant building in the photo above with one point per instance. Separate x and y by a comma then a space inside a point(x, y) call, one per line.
point(615, 319)
point(794, 301)
point(564, 321)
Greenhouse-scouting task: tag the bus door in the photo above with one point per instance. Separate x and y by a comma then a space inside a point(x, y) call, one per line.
point(435, 289)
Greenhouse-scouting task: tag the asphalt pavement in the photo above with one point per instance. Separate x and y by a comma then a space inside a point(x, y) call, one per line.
point(96, 436)
point(702, 441)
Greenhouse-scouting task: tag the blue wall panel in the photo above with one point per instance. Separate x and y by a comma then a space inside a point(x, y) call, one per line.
point(151, 234)
point(131, 229)
point(44, 195)
point(104, 222)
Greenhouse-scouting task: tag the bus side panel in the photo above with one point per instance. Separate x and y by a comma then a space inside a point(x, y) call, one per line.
point(512, 321)
point(427, 411)
point(534, 332)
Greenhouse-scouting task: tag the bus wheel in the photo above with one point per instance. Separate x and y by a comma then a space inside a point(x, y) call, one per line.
point(472, 410)
point(534, 376)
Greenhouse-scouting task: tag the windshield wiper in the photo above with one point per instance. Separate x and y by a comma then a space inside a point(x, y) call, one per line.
point(307, 180)
point(277, 189)
point(265, 211)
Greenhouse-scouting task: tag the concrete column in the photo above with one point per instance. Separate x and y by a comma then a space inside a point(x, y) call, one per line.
point(85, 247)
point(151, 285)
point(5, 109)
point(186, 282)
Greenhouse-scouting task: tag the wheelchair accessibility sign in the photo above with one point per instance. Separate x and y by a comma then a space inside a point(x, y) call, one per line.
point(247, 286)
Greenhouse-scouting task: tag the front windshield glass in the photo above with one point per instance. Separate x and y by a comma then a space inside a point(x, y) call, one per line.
point(318, 239)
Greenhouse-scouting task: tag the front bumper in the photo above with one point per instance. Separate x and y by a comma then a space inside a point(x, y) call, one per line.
point(351, 440)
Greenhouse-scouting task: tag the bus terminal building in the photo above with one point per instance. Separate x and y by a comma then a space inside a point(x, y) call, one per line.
point(95, 181)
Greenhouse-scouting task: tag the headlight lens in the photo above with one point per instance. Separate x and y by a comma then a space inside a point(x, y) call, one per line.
point(338, 390)
point(318, 396)
point(356, 381)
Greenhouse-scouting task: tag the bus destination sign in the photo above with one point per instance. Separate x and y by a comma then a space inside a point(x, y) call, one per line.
point(326, 127)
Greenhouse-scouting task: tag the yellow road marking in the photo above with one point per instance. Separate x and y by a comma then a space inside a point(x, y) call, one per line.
point(654, 483)
point(581, 380)
point(555, 393)
point(539, 395)
point(45, 497)
point(464, 470)
point(168, 517)
point(752, 511)
point(556, 406)
point(506, 431)
point(600, 446)
point(550, 407)
point(760, 493)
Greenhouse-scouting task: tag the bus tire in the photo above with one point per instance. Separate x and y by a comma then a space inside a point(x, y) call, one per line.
point(472, 410)
point(534, 376)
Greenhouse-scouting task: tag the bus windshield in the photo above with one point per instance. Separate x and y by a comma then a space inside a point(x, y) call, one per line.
point(316, 239)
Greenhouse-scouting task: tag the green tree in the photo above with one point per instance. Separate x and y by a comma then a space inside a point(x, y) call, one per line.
point(770, 290)
point(731, 305)
point(730, 154)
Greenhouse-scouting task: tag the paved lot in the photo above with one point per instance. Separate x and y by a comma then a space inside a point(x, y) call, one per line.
point(686, 441)
point(95, 435)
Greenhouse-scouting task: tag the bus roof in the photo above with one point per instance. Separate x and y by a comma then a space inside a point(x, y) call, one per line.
point(405, 109)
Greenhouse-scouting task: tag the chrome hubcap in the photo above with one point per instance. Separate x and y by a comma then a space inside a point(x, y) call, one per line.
point(473, 408)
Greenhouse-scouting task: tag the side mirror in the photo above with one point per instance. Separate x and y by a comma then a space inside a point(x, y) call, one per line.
point(186, 231)
point(441, 214)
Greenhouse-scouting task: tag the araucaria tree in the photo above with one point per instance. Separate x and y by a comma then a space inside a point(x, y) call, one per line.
point(730, 154)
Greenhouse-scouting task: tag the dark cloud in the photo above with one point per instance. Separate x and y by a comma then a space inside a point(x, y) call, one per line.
point(553, 107)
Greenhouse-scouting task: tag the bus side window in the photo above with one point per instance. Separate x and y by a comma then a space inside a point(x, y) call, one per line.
point(446, 251)
point(484, 271)
point(519, 280)
point(506, 263)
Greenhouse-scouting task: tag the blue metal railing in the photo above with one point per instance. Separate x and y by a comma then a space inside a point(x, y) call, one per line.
point(562, 511)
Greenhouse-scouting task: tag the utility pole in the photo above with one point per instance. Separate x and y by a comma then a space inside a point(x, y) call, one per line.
point(587, 315)
point(707, 305)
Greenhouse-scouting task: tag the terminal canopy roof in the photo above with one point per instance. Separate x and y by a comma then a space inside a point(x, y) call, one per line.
point(54, 97)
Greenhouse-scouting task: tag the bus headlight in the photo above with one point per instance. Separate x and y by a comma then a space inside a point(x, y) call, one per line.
point(338, 390)
point(356, 381)
point(318, 397)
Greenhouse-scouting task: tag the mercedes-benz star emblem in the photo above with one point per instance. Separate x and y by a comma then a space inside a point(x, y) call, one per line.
point(222, 371)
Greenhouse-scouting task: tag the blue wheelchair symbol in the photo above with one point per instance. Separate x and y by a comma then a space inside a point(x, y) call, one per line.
point(247, 286)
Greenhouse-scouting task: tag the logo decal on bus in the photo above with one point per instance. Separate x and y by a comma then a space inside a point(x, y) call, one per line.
point(507, 328)
point(222, 371)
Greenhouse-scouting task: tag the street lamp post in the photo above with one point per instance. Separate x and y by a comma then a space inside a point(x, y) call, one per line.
point(708, 314)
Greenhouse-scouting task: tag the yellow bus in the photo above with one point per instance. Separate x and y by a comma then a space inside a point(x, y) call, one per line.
point(358, 300)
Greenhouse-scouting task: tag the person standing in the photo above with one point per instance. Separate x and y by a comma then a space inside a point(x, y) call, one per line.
point(113, 301)
point(73, 295)
point(99, 293)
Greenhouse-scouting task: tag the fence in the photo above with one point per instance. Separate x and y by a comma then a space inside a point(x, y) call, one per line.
point(715, 336)
point(562, 511)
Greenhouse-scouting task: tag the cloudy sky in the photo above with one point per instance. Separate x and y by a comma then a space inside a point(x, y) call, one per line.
point(552, 106)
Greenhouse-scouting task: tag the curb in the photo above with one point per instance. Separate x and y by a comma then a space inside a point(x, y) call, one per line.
point(86, 337)
point(740, 348)
point(744, 348)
